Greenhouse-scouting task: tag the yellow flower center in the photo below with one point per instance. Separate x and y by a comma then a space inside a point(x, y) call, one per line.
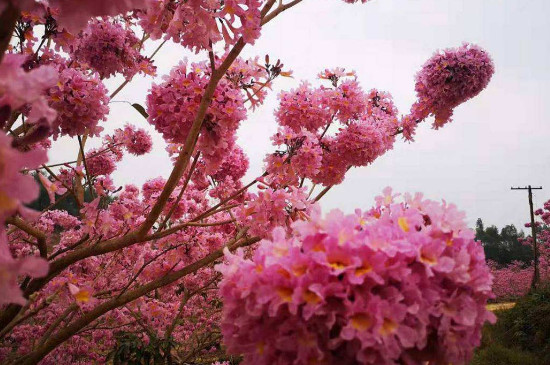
point(388, 327)
point(285, 294)
point(403, 224)
point(361, 321)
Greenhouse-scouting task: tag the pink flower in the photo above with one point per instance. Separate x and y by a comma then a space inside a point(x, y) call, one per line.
point(172, 107)
point(19, 88)
point(100, 163)
point(196, 23)
point(270, 208)
point(303, 107)
point(52, 188)
point(367, 288)
point(11, 269)
point(16, 188)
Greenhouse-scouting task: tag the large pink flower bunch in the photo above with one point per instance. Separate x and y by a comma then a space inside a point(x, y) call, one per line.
point(81, 102)
point(109, 48)
point(173, 104)
point(136, 141)
point(400, 283)
point(446, 80)
point(367, 126)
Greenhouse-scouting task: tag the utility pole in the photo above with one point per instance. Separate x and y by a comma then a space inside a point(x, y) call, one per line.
point(536, 274)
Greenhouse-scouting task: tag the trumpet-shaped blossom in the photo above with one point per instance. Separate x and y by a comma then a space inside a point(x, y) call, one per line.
point(376, 287)
point(52, 188)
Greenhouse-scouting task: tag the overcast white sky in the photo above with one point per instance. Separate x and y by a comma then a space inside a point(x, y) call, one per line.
point(499, 139)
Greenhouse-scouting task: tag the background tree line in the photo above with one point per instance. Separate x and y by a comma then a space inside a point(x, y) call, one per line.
point(503, 246)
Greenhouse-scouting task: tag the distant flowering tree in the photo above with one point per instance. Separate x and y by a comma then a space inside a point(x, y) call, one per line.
point(515, 280)
point(133, 276)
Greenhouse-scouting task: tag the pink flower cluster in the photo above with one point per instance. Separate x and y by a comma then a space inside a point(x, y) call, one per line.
point(367, 125)
point(80, 101)
point(197, 23)
point(271, 208)
point(511, 281)
point(109, 48)
point(136, 141)
point(100, 162)
point(303, 107)
point(172, 107)
point(400, 283)
point(448, 79)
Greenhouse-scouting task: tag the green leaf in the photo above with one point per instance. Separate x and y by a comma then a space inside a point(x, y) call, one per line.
point(141, 110)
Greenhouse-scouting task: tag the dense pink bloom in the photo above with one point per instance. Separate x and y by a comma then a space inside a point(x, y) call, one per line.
point(172, 107)
point(270, 208)
point(109, 48)
point(235, 164)
point(380, 287)
point(366, 126)
point(303, 107)
point(19, 88)
point(446, 80)
point(136, 141)
point(80, 101)
point(100, 163)
point(347, 101)
point(367, 138)
point(301, 158)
